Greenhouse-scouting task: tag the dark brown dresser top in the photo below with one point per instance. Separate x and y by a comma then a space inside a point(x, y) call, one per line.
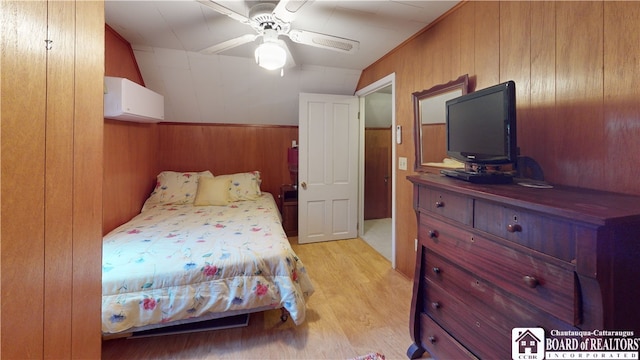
point(590, 206)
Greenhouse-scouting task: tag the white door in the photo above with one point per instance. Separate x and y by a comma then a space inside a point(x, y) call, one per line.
point(328, 168)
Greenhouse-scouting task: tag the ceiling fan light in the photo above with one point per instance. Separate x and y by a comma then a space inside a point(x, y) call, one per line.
point(271, 56)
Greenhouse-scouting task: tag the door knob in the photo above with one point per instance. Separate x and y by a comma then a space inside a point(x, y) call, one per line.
point(531, 281)
point(513, 228)
point(304, 185)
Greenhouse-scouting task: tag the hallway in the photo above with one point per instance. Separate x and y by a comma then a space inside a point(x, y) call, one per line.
point(377, 233)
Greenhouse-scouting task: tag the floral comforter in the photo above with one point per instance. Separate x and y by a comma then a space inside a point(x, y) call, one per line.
point(175, 262)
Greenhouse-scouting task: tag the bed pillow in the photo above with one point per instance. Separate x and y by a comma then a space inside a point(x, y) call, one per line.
point(244, 186)
point(212, 191)
point(178, 188)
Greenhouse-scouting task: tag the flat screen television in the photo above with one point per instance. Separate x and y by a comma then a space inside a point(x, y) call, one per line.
point(481, 126)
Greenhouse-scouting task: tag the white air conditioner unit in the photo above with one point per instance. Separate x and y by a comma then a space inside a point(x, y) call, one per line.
point(126, 100)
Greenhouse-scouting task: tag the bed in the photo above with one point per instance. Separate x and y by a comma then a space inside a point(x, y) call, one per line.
point(202, 247)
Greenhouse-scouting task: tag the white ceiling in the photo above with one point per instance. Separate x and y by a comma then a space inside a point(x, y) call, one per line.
point(229, 87)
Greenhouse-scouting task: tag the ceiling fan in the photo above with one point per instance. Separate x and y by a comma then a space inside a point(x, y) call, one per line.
point(270, 20)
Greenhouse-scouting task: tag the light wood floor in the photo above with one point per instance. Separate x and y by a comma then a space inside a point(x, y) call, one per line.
point(360, 305)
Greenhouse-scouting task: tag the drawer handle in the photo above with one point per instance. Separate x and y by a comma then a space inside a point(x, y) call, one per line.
point(432, 339)
point(433, 234)
point(435, 305)
point(531, 281)
point(439, 204)
point(436, 270)
point(512, 228)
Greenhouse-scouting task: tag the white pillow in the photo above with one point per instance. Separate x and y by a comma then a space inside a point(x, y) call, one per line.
point(244, 186)
point(177, 188)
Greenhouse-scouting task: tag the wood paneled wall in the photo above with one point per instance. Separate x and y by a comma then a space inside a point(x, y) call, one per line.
point(228, 149)
point(23, 174)
point(136, 153)
point(130, 169)
point(119, 58)
point(51, 191)
point(575, 67)
point(130, 149)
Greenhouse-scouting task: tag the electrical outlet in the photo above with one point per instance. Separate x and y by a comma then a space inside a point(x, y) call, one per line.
point(402, 163)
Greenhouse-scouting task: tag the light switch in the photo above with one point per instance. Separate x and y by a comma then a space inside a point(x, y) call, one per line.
point(402, 163)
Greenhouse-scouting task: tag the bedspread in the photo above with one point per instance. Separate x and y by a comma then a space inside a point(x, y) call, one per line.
point(174, 262)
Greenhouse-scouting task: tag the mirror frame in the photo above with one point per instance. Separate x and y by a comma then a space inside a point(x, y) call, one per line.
point(440, 93)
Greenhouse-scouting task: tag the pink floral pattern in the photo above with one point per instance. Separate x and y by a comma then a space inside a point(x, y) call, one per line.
point(210, 270)
point(149, 303)
point(261, 289)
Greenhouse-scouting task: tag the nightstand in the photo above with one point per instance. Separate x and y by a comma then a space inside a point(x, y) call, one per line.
point(289, 209)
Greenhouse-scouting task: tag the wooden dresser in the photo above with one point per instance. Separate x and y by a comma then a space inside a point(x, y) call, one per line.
point(491, 258)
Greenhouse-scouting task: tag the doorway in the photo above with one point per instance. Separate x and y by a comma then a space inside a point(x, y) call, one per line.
point(377, 166)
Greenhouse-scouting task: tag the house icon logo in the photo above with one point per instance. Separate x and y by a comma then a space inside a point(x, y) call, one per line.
point(527, 343)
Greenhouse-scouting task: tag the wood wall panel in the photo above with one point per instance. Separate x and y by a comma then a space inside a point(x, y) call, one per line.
point(23, 177)
point(404, 117)
point(515, 38)
point(538, 135)
point(467, 41)
point(52, 179)
point(58, 269)
point(228, 149)
point(130, 169)
point(440, 65)
point(487, 43)
point(88, 130)
point(136, 153)
point(621, 94)
point(579, 94)
point(120, 60)
point(130, 149)
point(575, 66)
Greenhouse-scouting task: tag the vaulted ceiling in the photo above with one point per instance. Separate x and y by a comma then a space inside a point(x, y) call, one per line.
point(228, 87)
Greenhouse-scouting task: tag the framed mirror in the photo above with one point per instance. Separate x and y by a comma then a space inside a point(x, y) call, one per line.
point(429, 117)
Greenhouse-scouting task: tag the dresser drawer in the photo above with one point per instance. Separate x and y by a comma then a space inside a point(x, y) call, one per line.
point(484, 298)
point(539, 282)
point(438, 343)
point(447, 204)
point(465, 323)
point(547, 235)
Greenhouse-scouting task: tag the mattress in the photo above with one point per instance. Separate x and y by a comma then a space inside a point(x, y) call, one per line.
point(176, 262)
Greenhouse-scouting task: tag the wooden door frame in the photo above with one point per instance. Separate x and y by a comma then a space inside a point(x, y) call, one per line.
point(384, 82)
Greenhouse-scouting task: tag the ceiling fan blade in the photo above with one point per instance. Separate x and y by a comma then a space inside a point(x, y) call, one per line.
point(225, 11)
point(290, 61)
point(324, 41)
point(226, 45)
point(286, 9)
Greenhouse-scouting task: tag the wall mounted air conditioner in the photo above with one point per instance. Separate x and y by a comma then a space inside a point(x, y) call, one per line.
point(126, 100)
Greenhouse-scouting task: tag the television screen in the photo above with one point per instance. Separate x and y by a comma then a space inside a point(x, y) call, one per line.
point(481, 126)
